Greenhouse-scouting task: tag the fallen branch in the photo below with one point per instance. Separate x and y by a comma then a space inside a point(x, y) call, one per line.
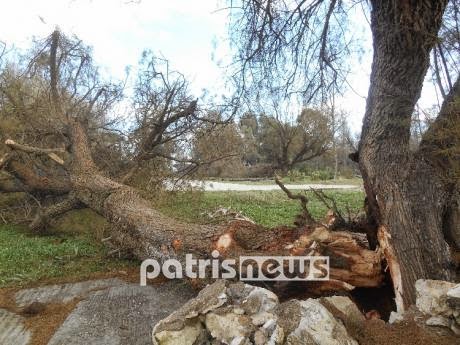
point(330, 203)
point(43, 217)
point(51, 153)
point(306, 217)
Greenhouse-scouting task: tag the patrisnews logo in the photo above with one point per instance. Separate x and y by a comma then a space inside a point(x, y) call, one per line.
point(250, 268)
point(284, 268)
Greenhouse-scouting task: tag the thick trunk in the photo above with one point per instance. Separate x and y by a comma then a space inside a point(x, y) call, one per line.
point(143, 232)
point(405, 193)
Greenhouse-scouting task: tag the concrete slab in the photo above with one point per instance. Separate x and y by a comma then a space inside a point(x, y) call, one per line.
point(122, 315)
point(12, 330)
point(65, 292)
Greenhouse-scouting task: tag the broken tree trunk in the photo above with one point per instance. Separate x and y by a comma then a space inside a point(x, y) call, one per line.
point(143, 232)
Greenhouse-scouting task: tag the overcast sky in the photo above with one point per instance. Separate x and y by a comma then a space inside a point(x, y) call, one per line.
point(191, 34)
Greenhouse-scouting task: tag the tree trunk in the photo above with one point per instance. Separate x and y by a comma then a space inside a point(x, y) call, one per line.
point(143, 232)
point(406, 193)
point(146, 233)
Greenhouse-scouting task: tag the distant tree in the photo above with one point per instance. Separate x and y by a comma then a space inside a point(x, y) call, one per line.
point(221, 148)
point(249, 128)
point(284, 144)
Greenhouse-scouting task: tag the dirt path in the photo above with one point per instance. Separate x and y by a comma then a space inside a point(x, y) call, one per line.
point(214, 186)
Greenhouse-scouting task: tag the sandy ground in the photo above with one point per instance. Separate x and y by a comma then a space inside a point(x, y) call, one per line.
point(214, 186)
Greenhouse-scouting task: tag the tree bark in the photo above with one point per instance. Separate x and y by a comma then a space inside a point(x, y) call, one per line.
point(405, 192)
point(143, 232)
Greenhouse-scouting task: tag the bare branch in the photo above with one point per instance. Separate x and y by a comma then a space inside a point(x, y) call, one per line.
point(302, 199)
point(43, 217)
point(54, 72)
point(330, 204)
point(51, 153)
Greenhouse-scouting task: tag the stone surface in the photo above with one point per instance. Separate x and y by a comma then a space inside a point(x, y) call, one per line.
point(440, 301)
point(316, 325)
point(121, 315)
point(395, 317)
point(438, 321)
point(432, 296)
point(12, 330)
point(63, 293)
point(228, 326)
point(453, 297)
point(240, 314)
point(345, 306)
point(189, 335)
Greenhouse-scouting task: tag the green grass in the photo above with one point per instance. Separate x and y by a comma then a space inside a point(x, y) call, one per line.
point(27, 258)
point(73, 250)
point(267, 208)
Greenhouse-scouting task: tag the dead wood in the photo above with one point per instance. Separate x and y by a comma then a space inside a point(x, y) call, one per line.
point(304, 218)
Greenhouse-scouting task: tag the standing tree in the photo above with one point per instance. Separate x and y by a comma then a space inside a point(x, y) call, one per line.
point(412, 196)
point(284, 144)
point(223, 142)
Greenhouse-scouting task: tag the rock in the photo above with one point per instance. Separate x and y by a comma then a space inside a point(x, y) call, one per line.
point(345, 306)
point(228, 326)
point(260, 338)
point(453, 297)
point(316, 325)
point(454, 327)
point(241, 314)
point(238, 311)
point(186, 336)
point(438, 321)
point(395, 317)
point(432, 297)
point(241, 341)
point(210, 298)
point(63, 293)
point(123, 315)
point(261, 318)
point(441, 301)
point(277, 336)
point(12, 329)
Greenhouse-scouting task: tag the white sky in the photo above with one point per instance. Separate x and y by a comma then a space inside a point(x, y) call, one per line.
point(188, 33)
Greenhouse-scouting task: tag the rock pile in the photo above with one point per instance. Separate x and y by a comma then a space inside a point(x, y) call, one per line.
point(241, 314)
point(440, 301)
point(437, 304)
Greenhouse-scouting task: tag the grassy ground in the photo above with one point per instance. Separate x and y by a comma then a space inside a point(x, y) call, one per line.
point(73, 250)
point(269, 208)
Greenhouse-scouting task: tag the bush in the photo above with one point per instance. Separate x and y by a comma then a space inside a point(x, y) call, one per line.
point(321, 175)
point(347, 172)
point(295, 175)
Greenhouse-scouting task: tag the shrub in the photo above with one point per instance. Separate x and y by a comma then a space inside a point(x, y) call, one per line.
point(321, 175)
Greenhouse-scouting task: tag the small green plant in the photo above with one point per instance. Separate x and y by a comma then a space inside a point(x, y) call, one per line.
point(321, 175)
point(295, 175)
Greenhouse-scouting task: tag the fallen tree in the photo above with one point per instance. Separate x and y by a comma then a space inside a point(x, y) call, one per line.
point(138, 230)
point(143, 232)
